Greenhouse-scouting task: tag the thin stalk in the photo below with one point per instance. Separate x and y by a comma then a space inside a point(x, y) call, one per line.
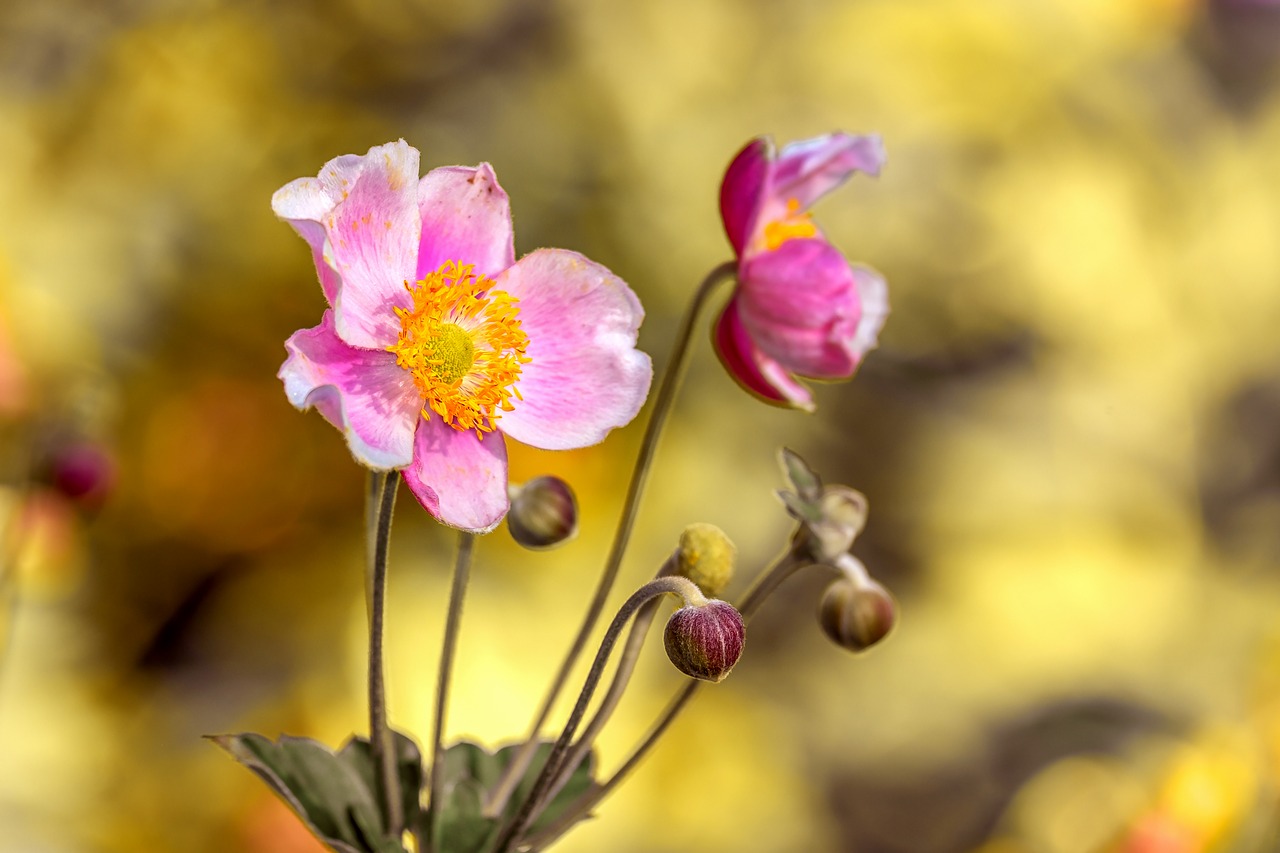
point(461, 574)
point(501, 793)
point(380, 743)
point(766, 582)
point(612, 697)
point(683, 587)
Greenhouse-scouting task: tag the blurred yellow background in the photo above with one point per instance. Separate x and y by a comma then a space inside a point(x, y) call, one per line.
point(1070, 436)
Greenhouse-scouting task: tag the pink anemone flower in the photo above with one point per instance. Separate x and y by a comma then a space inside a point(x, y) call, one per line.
point(438, 342)
point(800, 308)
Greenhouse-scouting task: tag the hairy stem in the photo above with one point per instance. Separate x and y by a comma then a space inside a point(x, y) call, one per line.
point(380, 742)
point(683, 587)
point(766, 582)
point(461, 574)
point(666, 395)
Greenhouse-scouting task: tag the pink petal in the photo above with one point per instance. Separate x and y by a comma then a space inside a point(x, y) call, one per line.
point(466, 217)
point(807, 170)
point(306, 202)
point(804, 282)
point(799, 303)
point(752, 369)
point(586, 377)
point(361, 392)
point(742, 191)
point(459, 478)
point(373, 233)
point(873, 296)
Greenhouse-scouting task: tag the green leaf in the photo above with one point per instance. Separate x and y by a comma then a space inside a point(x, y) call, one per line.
point(329, 792)
point(808, 485)
point(581, 780)
point(470, 771)
point(359, 754)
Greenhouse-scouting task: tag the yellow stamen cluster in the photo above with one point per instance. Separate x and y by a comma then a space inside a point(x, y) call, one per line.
point(463, 345)
point(789, 227)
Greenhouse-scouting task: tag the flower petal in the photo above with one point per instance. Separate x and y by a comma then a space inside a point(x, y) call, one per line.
point(809, 169)
point(305, 203)
point(459, 478)
point(804, 282)
point(752, 369)
point(466, 217)
point(361, 392)
point(742, 191)
point(799, 303)
point(373, 233)
point(585, 376)
point(873, 296)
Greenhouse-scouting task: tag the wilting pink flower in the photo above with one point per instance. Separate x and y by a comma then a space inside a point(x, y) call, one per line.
point(800, 308)
point(438, 342)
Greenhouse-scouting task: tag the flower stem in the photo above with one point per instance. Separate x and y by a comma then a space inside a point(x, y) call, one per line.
point(461, 574)
point(380, 741)
point(612, 697)
point(502, 791)
point(652, 590)
point(766, 582)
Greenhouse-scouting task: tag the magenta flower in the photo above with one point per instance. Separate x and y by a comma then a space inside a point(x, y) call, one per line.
point(800, 308)
point(438, 342)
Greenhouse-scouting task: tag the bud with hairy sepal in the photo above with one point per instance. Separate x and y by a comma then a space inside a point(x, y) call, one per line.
point(706, 556)
point(831, 517)
point(544, 513)
point(857, 612)
point(705, 640)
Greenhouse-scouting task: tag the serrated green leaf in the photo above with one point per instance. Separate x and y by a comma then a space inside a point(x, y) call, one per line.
point(327, 792)
point(463, 829)
point(470, 772)
point(359, 755)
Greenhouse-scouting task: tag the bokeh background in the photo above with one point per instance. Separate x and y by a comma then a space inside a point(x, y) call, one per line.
point(1070, 435)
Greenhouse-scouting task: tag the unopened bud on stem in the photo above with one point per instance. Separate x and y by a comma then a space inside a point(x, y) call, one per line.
point(857, 612)
point(706, 557)
point(544, 513)
point(705, 640)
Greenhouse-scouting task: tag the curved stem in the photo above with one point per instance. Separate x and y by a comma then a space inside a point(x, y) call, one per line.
point(384, 758)
point(683, 587)
point(461, 573)
point(501, 792)
point(621, 678)
point(795, 558)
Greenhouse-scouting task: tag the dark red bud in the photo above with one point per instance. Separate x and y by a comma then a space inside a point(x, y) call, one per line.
point(84, 473)
point(705, 641)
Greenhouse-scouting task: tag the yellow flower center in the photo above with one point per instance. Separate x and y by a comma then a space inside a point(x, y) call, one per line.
point(790, 226)
point(463, 345)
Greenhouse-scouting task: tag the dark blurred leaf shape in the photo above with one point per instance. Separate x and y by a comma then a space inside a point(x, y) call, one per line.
point(470, 770)
point(358, 754)
point(332, 793)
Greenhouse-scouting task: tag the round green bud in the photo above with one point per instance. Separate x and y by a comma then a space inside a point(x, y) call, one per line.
point(857, 613)
point(543, 514)
point(706, 556)
point(705, 640)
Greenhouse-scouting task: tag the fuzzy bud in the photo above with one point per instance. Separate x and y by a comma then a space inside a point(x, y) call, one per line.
point(705, 640)
point(857, 613)
point(706, 557)
point(544, 513)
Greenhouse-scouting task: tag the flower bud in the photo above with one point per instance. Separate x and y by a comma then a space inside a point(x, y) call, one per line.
point(706, 556)
point(544, 513)
point(83, 472)
point(705, 640)
point(857, 613)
